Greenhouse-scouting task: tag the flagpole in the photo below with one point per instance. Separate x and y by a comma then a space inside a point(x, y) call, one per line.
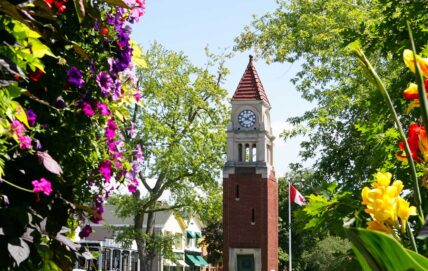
point(289, 226)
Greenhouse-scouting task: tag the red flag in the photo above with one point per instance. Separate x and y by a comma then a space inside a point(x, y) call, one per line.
point(296, 197)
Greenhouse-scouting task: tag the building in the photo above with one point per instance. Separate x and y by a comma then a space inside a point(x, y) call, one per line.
point(250, 189)
point(113, 256)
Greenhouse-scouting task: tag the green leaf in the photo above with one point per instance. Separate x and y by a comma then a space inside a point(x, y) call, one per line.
point(80, 9)
point(119, 3)
point(39, 49)
point(20, 113)
point(14, 91)
point(379, 251)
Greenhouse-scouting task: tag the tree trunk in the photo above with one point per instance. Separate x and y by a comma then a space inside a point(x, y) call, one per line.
point(145, 256)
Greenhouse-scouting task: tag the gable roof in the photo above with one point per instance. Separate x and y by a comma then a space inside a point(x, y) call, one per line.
point(250, 87)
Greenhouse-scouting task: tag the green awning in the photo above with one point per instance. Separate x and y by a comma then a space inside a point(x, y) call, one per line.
point(201, 260)
point(191, 260)
point(198, 235)
point(190, 234)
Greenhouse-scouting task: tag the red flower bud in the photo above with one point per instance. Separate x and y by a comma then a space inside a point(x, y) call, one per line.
point(104, 31)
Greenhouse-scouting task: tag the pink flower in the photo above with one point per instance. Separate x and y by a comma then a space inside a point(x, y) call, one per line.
point(111, 129)
point(25, 142)
point(137, 97)
point(132, 187)
point(17, 127)
point(105, 169)
point(103, 109)
point(87, 109)
point(42, 186)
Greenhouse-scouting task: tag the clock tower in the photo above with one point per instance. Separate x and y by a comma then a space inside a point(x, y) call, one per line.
point(250, 189)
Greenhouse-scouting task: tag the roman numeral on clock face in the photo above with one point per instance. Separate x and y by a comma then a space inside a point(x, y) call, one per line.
point(247, 118)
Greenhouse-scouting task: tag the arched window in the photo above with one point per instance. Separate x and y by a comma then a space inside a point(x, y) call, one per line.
point(240, 152)
point(237, 192)
point(247, 152)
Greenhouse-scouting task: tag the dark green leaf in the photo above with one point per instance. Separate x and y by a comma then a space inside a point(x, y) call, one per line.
point(379, 251)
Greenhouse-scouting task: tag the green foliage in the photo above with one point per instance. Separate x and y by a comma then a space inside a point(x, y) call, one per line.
point(182, 131)
point(378, 251)
point(40, 44)
point(213, 238)
point(330, 253)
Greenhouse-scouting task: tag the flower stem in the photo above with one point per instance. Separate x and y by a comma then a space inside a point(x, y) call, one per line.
point(416, 193)
point(411, 237)
point(17, 186)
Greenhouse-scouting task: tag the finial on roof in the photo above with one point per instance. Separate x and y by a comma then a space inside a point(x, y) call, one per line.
point(251, 58)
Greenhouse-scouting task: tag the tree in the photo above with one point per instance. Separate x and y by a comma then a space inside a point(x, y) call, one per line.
point(348, 134)
point(181, 129)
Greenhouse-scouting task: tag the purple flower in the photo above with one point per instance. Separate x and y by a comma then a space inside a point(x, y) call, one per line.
point(31, 117)
point(42, 186)
point(85, 232)
point(92, 66)
point(118, 157)
point(131, 130)
point(117, 90)
point(105, 169)
point(139, 154)
point(132, 187)
point(59, 103)
point(137, 97)
point(38, 144)
point(87, 109)
point(74, 77)
point(105, 82)
point(123, 37)
point(96, 26)
point(25, 142)
point(103, 109)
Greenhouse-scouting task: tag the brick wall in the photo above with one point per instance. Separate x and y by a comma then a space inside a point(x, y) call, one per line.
point(258, 194)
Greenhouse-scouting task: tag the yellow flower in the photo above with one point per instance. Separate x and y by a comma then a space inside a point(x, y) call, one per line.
point(376, 226)
point(384, 204)
point(382, 179)
point(395, 189)
point(410, 62)
point(404, 211)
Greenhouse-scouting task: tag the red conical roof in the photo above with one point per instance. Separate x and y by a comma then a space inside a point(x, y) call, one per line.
point(250, 87)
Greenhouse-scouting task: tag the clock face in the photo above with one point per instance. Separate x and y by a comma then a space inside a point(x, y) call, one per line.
point(247, 118)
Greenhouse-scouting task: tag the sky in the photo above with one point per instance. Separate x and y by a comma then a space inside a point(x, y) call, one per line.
point(190, 25)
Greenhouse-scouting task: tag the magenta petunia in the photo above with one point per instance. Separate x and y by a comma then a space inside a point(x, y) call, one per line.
point(111, 129)
point(132, 187)
point(87, 109)
point(17, 127)
point(137, 97)
point(104, 110)
point(105, 169)
point(25, 142)
point(42, 186)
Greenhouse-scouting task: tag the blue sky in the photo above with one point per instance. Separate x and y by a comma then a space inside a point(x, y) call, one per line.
point(191, 25)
